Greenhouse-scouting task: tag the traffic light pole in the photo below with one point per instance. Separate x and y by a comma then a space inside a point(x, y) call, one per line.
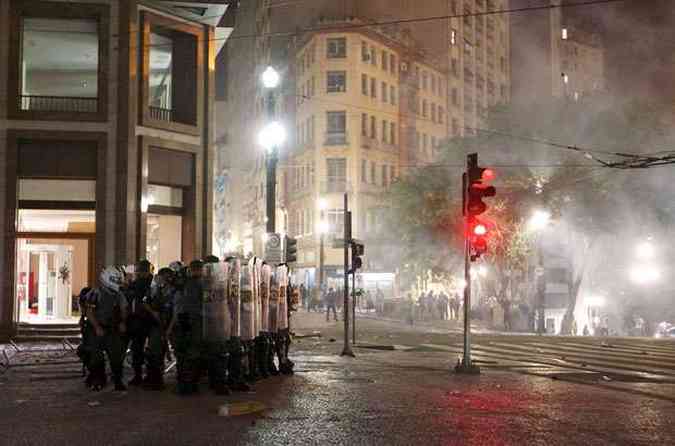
point(466, 366)
point(347, 349)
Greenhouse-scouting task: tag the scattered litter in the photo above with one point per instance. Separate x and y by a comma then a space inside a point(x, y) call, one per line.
point(606, 378)
point(331, 340)
point(94, 403)
point(583, 364)
point(604, 344)
point(314, 334)
point(236, 409)
point(644, 352)
point(555, 377)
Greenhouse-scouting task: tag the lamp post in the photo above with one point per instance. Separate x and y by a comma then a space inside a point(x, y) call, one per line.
point(271, 137)
point(539, 220)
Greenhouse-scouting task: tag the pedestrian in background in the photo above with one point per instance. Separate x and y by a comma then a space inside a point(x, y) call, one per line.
point(331, 301)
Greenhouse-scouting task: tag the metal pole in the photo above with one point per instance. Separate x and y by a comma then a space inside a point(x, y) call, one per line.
point(347, 350)
point(321, 256)
point(541, 288)
point(353, 307)
point(271, 190)
point(466, 365)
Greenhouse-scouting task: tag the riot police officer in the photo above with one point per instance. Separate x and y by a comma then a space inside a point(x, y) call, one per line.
point(216, 325)
point(235, 376)
point(159, 305)
point(139, 321)
point(187, 326)
point(106, 310)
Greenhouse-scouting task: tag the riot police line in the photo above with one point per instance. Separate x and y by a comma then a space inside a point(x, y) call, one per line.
point(226, 320)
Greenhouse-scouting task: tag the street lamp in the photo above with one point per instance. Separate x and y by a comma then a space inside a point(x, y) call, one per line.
point(645, 250)
point(323, 228)
point(271, 137)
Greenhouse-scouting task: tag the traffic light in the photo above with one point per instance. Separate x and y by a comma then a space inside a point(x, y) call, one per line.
point(478, 233)
point(291, 250)
point(358, 249)
point(477, 187)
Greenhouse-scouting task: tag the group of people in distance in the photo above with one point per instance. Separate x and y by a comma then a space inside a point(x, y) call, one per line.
point(225, 320)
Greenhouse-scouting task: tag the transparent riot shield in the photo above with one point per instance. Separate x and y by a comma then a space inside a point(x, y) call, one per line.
point(282, 308)
point(215, 310)
point(233, 296)
point(257, 265)
point(247, 327)
point(273, 302)
point(266, 277)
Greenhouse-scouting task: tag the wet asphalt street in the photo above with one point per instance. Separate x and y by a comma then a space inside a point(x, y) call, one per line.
point(397, 391)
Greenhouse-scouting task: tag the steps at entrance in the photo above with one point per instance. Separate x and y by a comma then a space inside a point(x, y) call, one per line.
point(47, 332)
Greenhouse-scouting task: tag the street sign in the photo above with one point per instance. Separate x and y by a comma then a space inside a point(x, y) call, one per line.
point(539, 271)
point(273, 252)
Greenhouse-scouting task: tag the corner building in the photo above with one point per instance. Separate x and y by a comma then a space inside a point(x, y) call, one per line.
point(106, 144)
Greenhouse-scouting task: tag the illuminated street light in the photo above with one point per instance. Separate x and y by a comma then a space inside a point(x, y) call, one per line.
point(323, 227)
point(539, 220)
point(644, 274)
point(270, 78)
point(272, 136)
point(645, 250)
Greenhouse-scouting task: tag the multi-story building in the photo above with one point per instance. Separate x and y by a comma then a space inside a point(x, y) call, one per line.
point(442, 85)
point(106, 143)
point(554, 55)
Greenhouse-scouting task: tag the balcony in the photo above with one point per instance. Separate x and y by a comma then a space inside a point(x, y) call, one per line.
point(337, 186)
point(161, 114)
point(336, 139)
point(369, 143)
point(58, 104)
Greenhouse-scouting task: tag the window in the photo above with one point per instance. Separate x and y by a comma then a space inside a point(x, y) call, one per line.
point(502, 64)
point(373, 56)
point(364, 171)
point(172, 71)
point(336, 128)
point(385, 60)
point(365, 56)
point(425, 141)
point(373, 88)
point(385, 92)
point(336, 221)
point(384, 131)
point(311, 128)
point(433, 142)
point(392, 95)
point(441, 114)
point(336, 122)
point(418, 140)
point(392, 133)
point(425, 80)
point(364, 124)
point(455, 127)
point(425, 108)
point(564, 34)
point(454, 67)
point(433, 112)
point(455, 97)
point(364, 84)
point(312, 90)
point(453, 37)
point(336, 48)
point(384, 175)
point(336, 170)
point(59, 65)
point(433, 84)
point(373, 173)
point(336, 81)
point(373, 127)
point(392, 173)
point(392, 64)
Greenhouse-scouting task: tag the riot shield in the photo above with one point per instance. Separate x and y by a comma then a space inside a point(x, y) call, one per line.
point(282, 308)
point(233, 297)
point(257, 265)
point(247, 321)
point(273, 302)
point(215, 311)
point(266, 276)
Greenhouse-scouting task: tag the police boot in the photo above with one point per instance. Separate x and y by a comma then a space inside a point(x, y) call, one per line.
point(252, 364)
point(260, 356)
point(236, 381)
point(270, 355)
point(137, 380)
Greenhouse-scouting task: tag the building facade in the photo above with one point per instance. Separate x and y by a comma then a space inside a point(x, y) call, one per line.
point(442, 84)
point(106, 143)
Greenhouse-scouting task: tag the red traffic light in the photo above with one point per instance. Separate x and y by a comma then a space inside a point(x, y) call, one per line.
point(488, 175)
point(480, 229)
